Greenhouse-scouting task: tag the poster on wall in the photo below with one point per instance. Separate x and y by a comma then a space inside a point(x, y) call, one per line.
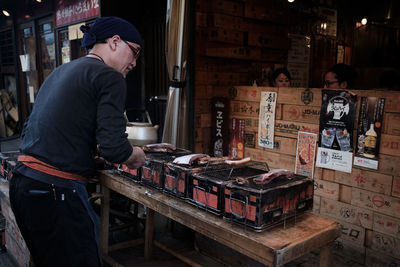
point(305, 153)
point(336, 126)
point(267, 119)
point(237, 141)
point(369, 132)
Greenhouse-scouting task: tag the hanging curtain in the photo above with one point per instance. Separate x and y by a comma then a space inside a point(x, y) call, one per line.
point(176, 117)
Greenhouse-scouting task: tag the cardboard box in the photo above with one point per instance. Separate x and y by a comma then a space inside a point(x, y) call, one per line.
point(376, 259)
point(384, 243)
point(390, 145)
point(364, 179)
point(388, 164)
point(377, 202)
point(291, 128)
point(345, 194)
point(245, 108)
point(300, 96)
point(328, 175)
point(352, 233)
point(396, 186)
point(316, 204)
point(226, 21)
point(299, 113)
point(228, 7)
point(386, 224)
point(326, 189)
point(222, 35)
point(274, 160)
point(346, 213)
point(391, 123)
point(283, 145)
point(269, 41)
point(347, 251)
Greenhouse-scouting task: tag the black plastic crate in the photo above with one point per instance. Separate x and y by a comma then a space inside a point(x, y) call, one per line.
point(206, 188)
point(152, 173)
point(134, 174)
point(262, 206)
point(177, 176)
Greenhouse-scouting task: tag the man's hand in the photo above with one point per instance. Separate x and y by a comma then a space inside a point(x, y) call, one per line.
point(136, 159)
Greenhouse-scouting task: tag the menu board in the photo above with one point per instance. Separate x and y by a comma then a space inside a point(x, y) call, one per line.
point(336, 126)
point(369, 132)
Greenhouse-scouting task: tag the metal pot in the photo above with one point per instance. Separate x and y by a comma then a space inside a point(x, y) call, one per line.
point(142, 133)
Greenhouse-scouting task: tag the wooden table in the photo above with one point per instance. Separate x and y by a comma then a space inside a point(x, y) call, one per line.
point(272, 247)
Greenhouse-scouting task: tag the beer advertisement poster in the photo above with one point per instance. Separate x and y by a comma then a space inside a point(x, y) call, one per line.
point(336, 126)
point(305, 153)
point(266, 119)
point(237, 141)
point(219, 145)
point(369, 132)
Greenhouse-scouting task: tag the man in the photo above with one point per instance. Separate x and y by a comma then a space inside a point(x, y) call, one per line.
point(79, 109)
point(340, 76)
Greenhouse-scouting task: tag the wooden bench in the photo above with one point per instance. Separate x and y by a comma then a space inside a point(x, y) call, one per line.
point(273, 247)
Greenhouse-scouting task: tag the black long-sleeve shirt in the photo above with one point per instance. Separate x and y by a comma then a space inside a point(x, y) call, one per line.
point(79, 105)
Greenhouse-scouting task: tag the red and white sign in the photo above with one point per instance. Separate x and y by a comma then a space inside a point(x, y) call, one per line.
point(75, 10)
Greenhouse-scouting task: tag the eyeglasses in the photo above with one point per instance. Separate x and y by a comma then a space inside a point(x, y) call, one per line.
point(135, 51)
point(329, 83)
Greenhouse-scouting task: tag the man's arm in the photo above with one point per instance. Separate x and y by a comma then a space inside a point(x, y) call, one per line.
point(136, 159)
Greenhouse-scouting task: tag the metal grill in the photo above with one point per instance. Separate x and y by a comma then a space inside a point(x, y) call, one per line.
point(244, 170)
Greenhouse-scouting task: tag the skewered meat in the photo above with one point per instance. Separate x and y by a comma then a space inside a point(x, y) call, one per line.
point(241, 180)
point(212, 160)
point(271, 175)
point(237, 161)
point(190, 159)
point(159, 147)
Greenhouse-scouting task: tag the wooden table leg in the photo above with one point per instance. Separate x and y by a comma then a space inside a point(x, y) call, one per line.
point(104, 220)
point(149, 234)
point(325, 256)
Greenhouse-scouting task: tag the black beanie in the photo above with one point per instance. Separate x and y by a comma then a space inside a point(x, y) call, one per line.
point(106, 27)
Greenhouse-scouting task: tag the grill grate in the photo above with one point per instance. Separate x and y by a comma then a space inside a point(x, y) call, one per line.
point(244, 170)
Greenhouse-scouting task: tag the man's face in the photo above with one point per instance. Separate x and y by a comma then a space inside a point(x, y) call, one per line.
point(127, 54)
point(332, 82)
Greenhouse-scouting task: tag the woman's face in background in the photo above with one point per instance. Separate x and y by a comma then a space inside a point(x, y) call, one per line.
point(282, 81)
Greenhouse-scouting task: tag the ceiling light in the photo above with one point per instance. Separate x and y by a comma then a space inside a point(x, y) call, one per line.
point(290, 1)
point(364, 21)
point(39, 1)
point(6, 13)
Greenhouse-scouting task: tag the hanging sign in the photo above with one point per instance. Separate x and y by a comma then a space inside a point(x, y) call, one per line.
point(219, 127)
point(75, 10)
point(336, 126)
point(267, 119)
point(369, 132)
point(305, 153)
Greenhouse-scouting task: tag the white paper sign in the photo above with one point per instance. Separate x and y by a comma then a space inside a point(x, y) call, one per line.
point(25, 59)
point(31, 94)
point(334, 159)
point(266, 119)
